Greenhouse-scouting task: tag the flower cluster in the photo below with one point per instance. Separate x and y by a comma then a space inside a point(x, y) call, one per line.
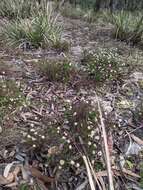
point(101, 65)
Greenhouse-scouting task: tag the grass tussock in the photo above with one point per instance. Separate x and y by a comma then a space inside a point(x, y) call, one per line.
point(16, 8)
point(128, 26)
point(41, 30)
point(56, 70)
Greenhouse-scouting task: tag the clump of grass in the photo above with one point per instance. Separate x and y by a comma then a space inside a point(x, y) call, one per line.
point(128, 26)
point(41, 30)
point(101, 65)
point(16, 8)
point(56, 70)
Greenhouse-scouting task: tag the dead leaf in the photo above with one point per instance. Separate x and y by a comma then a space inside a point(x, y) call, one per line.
point(14, 184)
point(137, 139)
point(9, 179)
point(7, 169)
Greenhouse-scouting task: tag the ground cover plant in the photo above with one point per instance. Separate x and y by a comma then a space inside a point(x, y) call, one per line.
point(56, 70)
point(102, 65)
point(10, 98)
point(71, 95)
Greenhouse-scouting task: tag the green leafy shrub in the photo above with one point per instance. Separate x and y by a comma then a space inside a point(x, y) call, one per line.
point(101, 65)
point(16, 8)
point(56, 70)
point(128, 26)
point(41, 30)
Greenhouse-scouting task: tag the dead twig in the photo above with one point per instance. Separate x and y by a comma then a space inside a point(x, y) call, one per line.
point(107, 154)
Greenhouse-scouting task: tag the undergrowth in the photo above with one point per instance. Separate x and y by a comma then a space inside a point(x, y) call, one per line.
point(56, 70)
point(69, 137)
point(16, 8)
point(41, 30)
point(102, 65)
point(128, 26)
point(10, 98)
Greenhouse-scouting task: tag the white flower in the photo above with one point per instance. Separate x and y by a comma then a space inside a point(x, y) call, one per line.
point(97, 137)
point(72, 162)
point(63, 137)
point(77, 165)
point(43, 137)
point(68, 141)
point(60, 167)
point(34, 145)
point(68, 101)
point(75, 123)
point(74, 114)
point(99, 153)
point(88, 127)
point(32, 125)
point(35, 133)
point(62, 162)
point(94, 145)
point(89, 143)
point(70, 147)
point(28, 136)
point(32, 130)
point(93, 152)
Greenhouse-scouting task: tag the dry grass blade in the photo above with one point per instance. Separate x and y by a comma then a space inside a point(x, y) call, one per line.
point(107, 154)
point(94, 175)
point(91, 181)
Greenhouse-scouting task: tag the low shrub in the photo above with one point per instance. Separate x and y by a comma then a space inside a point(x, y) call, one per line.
point(101, 65)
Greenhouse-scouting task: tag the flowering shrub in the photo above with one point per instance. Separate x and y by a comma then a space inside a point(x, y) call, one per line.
point(69, 136)
point(101, 65)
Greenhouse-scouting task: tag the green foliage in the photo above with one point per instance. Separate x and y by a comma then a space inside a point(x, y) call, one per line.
point(10, 97)
point(16, 8)
point(101, 65)
point(78, 13)
point(72, 12)
point(56, 70)
point(41, 30)
point(128, 26)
